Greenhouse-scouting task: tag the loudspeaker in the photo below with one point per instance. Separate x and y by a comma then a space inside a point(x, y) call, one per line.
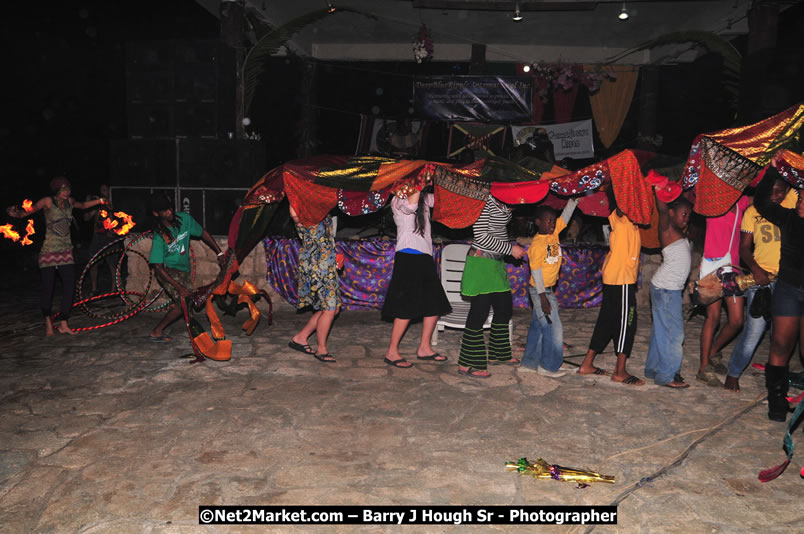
point(196, 119)
point(220, 162)
point(180, 88)
point(207, 177)
point(143, 162)
point(151, 119)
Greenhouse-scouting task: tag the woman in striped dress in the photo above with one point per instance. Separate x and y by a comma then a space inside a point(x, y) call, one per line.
point(485, 282)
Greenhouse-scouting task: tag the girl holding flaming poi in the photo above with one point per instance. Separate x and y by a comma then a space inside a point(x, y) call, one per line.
point(57, 250)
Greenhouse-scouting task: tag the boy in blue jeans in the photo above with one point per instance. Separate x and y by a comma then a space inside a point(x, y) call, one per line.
point(544, 348)
point(667, 333)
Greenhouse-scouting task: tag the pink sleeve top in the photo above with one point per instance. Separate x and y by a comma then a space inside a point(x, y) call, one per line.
point(721, 230)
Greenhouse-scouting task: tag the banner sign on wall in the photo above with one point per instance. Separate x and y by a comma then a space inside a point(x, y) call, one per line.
point(570, 140)
point(490, 99)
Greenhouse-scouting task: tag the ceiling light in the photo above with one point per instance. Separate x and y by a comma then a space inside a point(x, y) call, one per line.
point(517, 15)
point(330, 7)
point(623, 13)
point(526, 68)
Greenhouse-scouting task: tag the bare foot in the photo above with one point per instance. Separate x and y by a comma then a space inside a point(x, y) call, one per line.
point(732, 384)
point(629, 380)
point(64, 328)
point(592, 371)
point(49, 327)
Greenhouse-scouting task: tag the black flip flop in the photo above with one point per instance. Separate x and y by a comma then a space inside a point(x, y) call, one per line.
point(598, 372)
point(323, 358)
point(512, 361)
point(307, 349)
point(397, 363)
point(473, 373)
point(678, 385)
point(436, 357)
point(630, 381)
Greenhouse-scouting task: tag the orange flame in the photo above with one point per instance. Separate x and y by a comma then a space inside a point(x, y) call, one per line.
point(27, 205)
point(114, 224)
point(29, 231)
point(127, 220)
point(9, 232)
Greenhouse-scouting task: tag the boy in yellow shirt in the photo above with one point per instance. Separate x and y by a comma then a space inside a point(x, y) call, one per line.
point(617, 319)
point(544, 348)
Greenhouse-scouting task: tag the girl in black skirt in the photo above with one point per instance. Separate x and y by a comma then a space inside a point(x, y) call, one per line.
point(415, 290)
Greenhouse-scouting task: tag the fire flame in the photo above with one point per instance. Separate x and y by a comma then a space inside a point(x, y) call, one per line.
point(29, 231)
point(128, 223)
point(114, 224)
point(9, 232)
point(27, 205)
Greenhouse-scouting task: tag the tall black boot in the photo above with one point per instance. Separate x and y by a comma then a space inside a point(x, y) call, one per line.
point(776, 382)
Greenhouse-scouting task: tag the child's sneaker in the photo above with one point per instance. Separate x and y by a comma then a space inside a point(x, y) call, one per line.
point(552, 374)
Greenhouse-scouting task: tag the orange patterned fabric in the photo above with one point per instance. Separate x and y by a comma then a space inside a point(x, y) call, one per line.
point(758, 141)
point(713, 197)
point(633, 193)
point(312, 202)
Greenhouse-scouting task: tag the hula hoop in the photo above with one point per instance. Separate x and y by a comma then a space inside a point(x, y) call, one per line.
point(118, 280)
point(82, 302)
point(110, 323)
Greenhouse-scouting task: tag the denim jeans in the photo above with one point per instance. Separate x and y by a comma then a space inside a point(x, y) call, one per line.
point(545, 345)
point(749, 337)
point(666, 335)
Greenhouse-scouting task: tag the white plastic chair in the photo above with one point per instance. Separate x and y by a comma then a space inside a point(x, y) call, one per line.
point(453, 259)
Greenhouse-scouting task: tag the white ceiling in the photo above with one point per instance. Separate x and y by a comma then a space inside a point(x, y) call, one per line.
point(577, 31)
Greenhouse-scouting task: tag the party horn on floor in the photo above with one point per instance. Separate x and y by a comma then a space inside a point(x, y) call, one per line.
point(544, 471)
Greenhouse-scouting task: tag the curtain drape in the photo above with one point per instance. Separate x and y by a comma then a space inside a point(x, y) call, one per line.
point(611, 103)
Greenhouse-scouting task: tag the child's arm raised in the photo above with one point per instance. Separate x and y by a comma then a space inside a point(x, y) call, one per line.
point(566, 215)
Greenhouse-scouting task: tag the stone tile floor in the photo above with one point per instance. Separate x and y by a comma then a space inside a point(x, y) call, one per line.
point(107, 432)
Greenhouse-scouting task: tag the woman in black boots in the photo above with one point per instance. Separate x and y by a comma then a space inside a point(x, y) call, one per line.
point(788, 298)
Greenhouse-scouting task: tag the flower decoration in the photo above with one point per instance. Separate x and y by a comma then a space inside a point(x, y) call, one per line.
point(565, 76)
point(423, 44)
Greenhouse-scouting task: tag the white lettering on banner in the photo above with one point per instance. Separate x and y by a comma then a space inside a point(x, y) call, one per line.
point(570, 140)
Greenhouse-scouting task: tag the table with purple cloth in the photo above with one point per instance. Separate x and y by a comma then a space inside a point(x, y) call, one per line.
point(368, 264)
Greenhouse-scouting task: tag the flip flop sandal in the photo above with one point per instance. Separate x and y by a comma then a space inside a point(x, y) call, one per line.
point(307, 349)
point(512, 361)
point(326, 358)
point(473, 373)
point(678, 385)
point(598, 372)
point(160, 339)
point(709, 378)
point(630, 381)
point(398, 363)
point(433, 358)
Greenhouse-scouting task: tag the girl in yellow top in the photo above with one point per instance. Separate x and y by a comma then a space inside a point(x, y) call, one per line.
point(617, 319)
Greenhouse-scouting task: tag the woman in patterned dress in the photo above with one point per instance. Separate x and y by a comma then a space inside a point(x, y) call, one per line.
point(56, 254)
point(317, 278)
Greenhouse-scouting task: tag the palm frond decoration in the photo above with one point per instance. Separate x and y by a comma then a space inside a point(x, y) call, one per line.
point(270, 43)
point(712, 42)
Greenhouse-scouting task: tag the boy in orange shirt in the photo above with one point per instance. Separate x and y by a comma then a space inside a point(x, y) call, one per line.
point(544, 348)
point(617, 319)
